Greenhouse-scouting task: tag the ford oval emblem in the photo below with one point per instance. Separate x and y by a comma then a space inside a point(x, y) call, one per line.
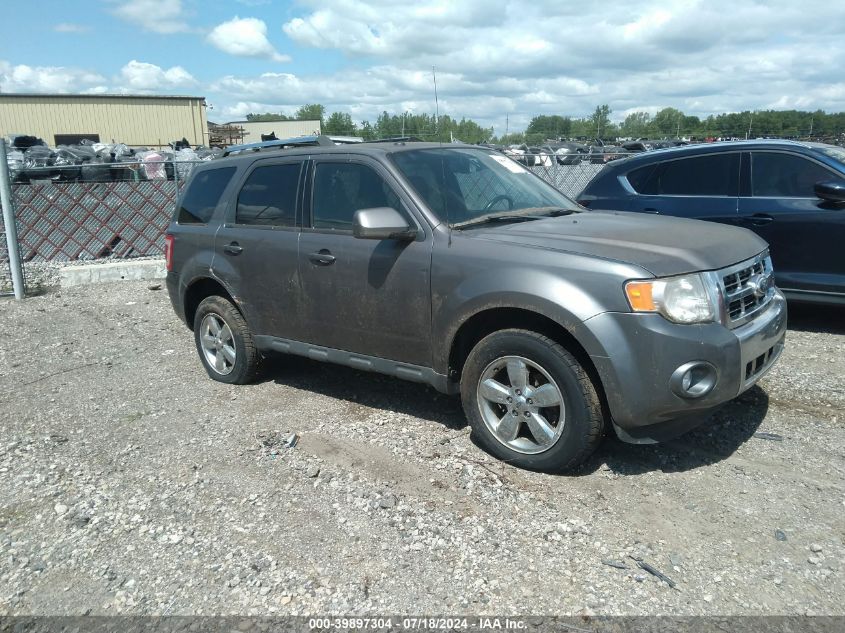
point(760, 284)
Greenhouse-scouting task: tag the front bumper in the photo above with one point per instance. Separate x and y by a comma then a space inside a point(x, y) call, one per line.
point(645, 350)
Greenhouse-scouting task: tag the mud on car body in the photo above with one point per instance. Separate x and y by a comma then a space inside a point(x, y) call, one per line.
point(456, 267)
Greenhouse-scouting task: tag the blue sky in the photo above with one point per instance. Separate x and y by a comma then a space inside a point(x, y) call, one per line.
point(494, 58)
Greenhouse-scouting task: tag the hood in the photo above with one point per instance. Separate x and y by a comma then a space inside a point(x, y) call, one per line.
point(662, 245)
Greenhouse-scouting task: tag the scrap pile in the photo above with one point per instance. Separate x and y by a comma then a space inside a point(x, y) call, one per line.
point(30, 159)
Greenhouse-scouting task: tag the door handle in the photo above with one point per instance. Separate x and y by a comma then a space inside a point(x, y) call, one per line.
point(233, 249)
point(651, 210)
point(759, 219)
point(322, 257)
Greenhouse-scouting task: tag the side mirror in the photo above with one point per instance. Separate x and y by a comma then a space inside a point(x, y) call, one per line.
point(381, 223)
point(831, 190)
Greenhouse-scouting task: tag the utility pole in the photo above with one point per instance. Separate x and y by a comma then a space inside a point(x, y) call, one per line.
point(750, 119)
point(506, 127)
point(811, 126)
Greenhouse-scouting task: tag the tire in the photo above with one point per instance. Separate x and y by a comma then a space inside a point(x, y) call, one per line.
point(235, 363)
point(569, 432)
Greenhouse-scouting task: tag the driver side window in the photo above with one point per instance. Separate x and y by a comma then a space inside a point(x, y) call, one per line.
point(340, 189)
point(780, 175)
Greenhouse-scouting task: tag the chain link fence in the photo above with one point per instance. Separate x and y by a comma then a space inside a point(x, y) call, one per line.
point(66, 215)
point(63, 216)
point(571, 178)
point(61, 222)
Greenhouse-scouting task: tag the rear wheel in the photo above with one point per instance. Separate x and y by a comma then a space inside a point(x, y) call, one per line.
point(530, 402)
point(224, 342)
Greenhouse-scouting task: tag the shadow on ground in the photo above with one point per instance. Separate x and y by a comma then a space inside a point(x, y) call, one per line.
point(367, 389)
point(716, 440)
point(809, 317)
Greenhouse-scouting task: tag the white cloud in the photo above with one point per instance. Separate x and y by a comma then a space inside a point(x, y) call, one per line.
point(245, 37)
point(142, 77)
point(498, 57)
point(134, 77)
point(62, 79)
point(367, 92)
point(157, 16)
point(69, 27)
point(643, 25)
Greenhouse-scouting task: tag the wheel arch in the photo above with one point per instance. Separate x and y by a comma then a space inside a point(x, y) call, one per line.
point(200, 289)
point(488, 321)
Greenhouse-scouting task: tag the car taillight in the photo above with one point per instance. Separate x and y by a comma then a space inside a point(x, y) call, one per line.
point(168, 252)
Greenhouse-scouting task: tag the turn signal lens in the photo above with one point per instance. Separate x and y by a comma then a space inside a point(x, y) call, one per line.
point(640, 296)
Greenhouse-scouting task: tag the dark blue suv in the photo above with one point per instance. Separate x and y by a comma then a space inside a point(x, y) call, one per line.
point(791, 194)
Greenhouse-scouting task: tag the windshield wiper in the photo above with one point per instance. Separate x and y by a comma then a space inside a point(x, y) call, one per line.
point(510, 216)
point(551, 212)
point(532, 213)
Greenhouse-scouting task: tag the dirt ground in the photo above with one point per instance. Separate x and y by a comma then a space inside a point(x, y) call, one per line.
point(132, 483)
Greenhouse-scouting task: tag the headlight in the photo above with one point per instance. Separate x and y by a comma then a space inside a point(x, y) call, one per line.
point(683, 299)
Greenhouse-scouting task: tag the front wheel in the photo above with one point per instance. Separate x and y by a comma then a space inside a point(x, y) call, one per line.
point(530, 403)
point(224, 342)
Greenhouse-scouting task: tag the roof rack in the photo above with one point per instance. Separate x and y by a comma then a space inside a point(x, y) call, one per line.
point(397, 139)
point(346, 140)
point(283, 143)
point(314, 140)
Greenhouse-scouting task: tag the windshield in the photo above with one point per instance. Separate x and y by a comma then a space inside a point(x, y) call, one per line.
point(462, 185)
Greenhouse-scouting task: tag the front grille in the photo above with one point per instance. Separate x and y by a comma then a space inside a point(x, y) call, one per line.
point(757, 365)
point(748, 287)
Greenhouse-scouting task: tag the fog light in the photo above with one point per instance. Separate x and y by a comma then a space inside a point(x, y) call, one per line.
point(693, 380)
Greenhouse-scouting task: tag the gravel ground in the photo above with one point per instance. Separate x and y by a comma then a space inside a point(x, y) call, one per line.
point(134, 484)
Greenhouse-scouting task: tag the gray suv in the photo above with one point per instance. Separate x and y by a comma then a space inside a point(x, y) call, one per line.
point(455, 266)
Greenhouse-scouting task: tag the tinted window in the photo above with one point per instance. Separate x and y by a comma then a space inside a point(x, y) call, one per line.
point(203, 194)
point(340, 189)
point(642, 181)
point(713, 175)
point(785, 175)
point(268, 197)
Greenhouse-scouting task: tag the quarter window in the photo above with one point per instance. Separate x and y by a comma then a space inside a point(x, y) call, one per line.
point(781, 175)
point(711, 175)
point(198, 204)
point(340, 189)
point(268, 197)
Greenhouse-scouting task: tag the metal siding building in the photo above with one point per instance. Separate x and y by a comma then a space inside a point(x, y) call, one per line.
point(283, 129)
point(137, 120)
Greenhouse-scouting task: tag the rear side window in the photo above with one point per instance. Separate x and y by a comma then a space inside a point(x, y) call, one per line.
point(641, 180)
point(785, 176)
point(713, 175)
point(268, 197)
point(198, 204)
point(340, 189)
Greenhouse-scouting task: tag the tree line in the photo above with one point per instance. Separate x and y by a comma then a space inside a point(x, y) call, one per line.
point(424, 126)
point(667, 123)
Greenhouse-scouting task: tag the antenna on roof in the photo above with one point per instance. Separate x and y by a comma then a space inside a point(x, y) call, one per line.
point(436, 105)
point(442, 165)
